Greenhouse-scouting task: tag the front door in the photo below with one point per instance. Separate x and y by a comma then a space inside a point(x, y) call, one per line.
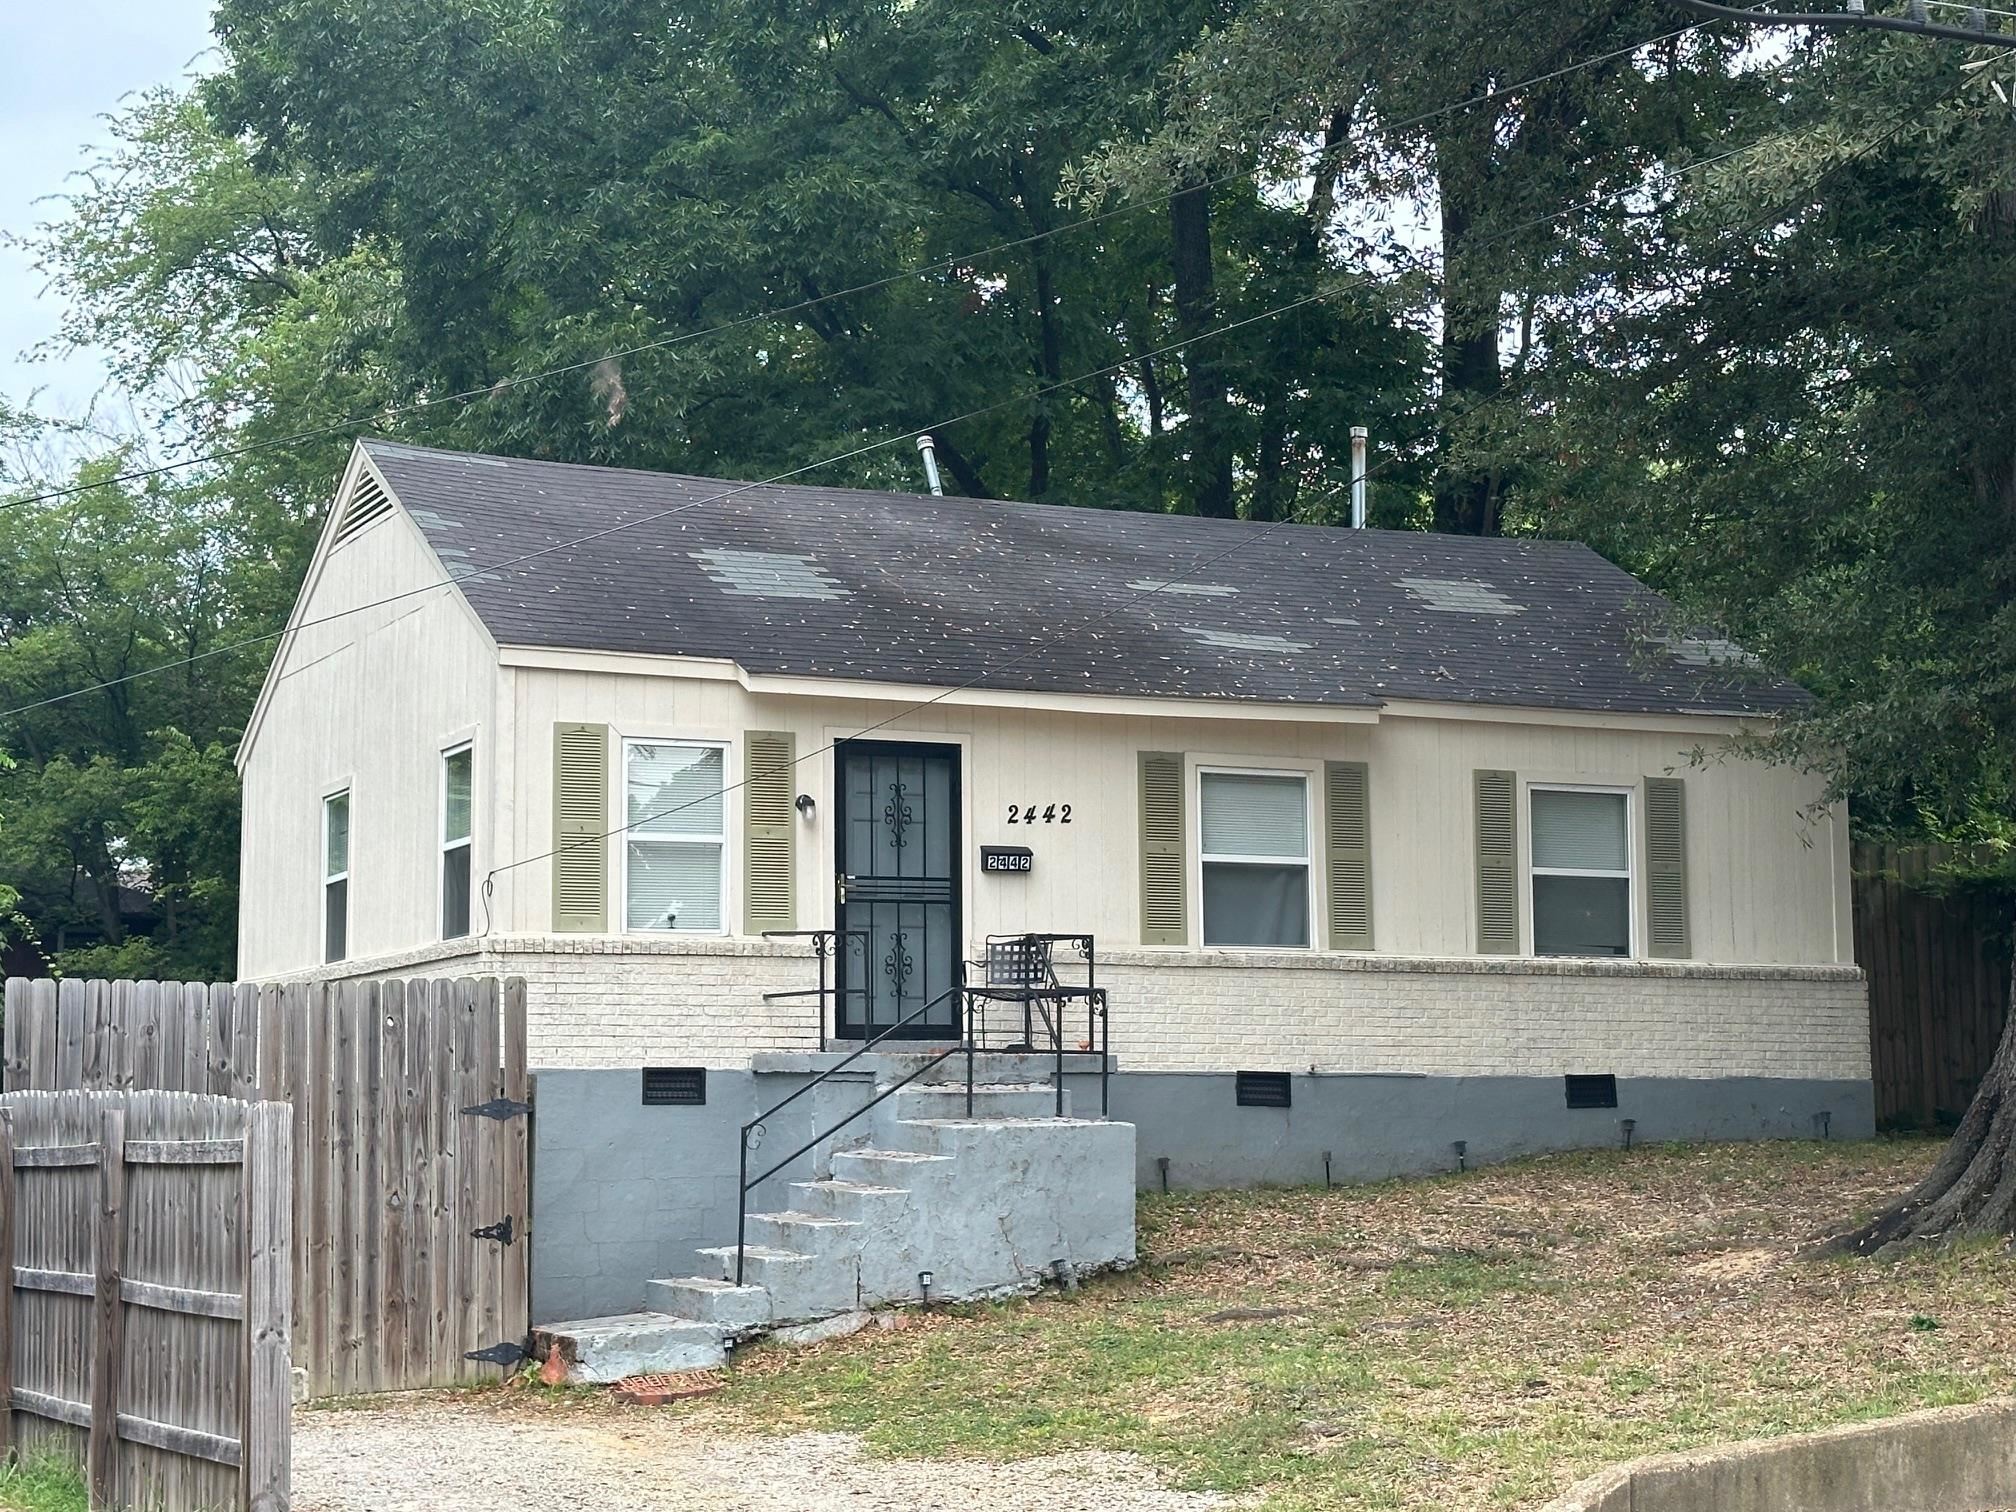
point(897, 894)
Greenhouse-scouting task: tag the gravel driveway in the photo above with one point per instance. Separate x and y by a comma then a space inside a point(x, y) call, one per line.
point(455, 1455)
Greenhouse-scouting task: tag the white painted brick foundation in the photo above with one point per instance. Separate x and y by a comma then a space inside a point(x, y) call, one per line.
point(599, 1002)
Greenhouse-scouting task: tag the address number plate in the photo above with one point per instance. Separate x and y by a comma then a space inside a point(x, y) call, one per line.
point(1007, 858)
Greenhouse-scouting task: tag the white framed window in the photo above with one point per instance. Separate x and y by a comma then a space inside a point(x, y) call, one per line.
point(675, 837)
point(336, 876)
point(1253, 857)
point(1581, 873)
point(458, 772)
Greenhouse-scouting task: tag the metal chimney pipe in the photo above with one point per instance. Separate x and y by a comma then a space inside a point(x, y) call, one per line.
point(1358, 437)
point(930, 464)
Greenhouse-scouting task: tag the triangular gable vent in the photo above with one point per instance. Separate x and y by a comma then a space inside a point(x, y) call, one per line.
point(368, 502)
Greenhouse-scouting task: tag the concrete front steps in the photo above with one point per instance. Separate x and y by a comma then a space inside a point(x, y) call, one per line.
point(981, 1206)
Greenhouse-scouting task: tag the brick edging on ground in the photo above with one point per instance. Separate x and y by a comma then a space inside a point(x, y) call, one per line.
point(1949, 1459)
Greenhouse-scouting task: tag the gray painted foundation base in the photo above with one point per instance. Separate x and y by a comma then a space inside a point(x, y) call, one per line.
point(623, 1193)
point(1375, 1127)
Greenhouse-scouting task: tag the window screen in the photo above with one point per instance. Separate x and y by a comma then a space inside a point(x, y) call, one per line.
point(1581, 873)
point(456, 791)
point(676, 818)
point(1255, 861)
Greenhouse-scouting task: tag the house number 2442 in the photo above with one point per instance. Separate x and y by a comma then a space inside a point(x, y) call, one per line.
point(1055, 813)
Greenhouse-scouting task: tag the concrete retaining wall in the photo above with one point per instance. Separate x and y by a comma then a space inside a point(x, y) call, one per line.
point(1952, 1459)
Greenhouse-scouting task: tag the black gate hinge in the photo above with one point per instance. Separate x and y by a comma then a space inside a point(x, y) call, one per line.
point(500, 1231)
point(499, 1108)
point(506, 1354)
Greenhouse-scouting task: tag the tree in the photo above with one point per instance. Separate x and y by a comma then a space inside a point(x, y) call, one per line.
point(121, 804)
point(1803, 430)
point(1520, 191)
point(556, 180)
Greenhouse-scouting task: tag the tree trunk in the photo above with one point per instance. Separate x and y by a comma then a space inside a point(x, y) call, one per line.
point(1466, 497)
point(1972, 1190)
point(1208, 429)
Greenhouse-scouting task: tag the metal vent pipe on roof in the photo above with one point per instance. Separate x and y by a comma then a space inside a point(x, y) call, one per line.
point(1358, 437)
point(930, 456)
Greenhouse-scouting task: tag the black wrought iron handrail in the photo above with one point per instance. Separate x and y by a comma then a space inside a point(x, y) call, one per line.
point(958, 991)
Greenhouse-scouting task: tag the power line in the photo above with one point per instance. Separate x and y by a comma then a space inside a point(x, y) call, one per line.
point(941, 265)
point(865, 449)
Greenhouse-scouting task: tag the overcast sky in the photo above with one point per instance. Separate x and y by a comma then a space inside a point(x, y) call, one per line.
point(63, 65)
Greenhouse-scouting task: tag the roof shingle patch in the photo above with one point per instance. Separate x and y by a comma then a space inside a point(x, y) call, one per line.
point(1203, 590)
point(768, 574)
point(1460, 596)
point(1231, 640)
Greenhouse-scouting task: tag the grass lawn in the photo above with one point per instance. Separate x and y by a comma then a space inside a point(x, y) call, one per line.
point(1477, 1340)
point(42, 1486)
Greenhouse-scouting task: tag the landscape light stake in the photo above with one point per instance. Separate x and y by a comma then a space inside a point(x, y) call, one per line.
point(1162, 1165)
point(924, 1279)
point(1823, 1123)
point(1462, 1147)
point(1629, 1126)
point(1326, 1170)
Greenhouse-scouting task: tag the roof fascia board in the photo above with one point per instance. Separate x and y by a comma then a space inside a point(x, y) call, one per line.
point(358, 467)
point(548, 658)
point(1708, 722)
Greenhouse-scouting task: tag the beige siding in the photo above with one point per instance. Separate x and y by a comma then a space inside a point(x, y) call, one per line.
point(1767, 881)
point(369, 701)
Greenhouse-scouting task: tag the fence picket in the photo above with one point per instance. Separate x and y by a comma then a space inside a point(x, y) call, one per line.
point(108, 1313)
point(6, 1283)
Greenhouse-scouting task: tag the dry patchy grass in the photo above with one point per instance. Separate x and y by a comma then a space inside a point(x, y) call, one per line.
point(1479, 1340)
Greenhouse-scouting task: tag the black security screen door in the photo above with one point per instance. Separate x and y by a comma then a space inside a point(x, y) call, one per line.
point(897, 854)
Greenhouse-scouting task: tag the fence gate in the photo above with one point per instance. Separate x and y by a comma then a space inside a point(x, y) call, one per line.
point(411, 1146)
point(144, 1294)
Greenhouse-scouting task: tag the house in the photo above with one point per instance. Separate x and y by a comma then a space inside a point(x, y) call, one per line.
point(1442, 837)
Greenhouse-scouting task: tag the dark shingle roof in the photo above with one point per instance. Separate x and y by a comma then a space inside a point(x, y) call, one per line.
point(906, 588)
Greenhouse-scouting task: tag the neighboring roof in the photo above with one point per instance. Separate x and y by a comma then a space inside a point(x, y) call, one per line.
point(942, 592)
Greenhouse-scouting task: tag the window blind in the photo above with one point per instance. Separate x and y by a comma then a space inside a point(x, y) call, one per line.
point(675, 790)
point(1255, 816)
point(674, 885)
point(1579, 832)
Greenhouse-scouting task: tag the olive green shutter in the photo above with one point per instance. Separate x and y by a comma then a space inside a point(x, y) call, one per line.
point(580, 828)
point(1666, 866)
point(1348, 838)
point(1164, 912)
point(1497, 865)
point(768, 890)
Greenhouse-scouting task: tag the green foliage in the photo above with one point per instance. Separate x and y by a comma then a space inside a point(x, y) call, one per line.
point(121, 806)
point(42, 1485)
point(1778, 386)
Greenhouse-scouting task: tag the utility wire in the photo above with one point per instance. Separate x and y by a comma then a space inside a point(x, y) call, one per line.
point(860, 451)
point(923, 270)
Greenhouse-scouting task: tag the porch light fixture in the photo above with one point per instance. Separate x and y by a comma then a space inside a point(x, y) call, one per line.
point(804, 805)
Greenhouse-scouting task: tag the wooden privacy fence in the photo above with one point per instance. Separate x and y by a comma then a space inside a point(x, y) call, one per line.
point(411, 1146)
point(1938, 967)
point(145, 1294)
